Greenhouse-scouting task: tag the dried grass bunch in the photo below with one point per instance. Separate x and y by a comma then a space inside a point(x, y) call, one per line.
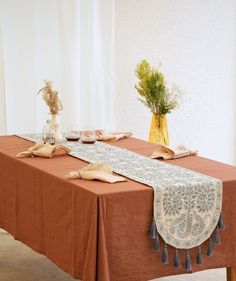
point(51, 98)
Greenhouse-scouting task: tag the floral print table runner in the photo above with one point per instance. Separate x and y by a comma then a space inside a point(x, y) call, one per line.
point(187, 204)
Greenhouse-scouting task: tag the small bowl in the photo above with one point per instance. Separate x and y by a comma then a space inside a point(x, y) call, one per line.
point(72, 139)
point(88, 137)
point(72, 136)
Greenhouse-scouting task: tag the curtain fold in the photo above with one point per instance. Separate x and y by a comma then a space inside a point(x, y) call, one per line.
point(3, 124)
point(68, 42)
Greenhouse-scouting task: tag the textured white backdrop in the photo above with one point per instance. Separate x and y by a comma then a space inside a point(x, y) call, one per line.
point(196, 43)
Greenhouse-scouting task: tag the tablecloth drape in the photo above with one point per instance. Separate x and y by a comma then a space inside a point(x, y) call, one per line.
point(93, 230)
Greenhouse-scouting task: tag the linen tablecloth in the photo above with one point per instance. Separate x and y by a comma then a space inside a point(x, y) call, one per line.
point(93, 230)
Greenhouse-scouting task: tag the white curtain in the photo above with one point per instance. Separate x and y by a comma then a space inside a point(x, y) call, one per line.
point(69, 42)
point(3, 124)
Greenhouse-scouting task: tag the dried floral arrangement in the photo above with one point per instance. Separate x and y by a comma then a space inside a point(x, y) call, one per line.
point(51, 98)
point(153, 89)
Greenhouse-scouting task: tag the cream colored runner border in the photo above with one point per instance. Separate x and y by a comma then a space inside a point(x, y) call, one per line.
point(187, 204)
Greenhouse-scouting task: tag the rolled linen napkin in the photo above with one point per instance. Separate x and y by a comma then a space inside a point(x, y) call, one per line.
point(112, 136)
point(98, 171)
point(44, 150)
point(165, 152)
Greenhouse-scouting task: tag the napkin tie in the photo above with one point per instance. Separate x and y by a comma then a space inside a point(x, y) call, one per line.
point(166, 153)
point(44, 150)
point(112, 136)
point(98, 171)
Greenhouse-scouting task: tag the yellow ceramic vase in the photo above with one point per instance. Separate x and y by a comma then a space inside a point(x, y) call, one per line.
point(159, 131)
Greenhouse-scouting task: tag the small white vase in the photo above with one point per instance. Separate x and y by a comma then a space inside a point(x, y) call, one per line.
point(57, 134)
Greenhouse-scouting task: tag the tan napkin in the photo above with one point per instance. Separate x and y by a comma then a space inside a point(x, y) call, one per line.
point(112, 136)
point(98, 171)
point(165, 152)
point(44, 150)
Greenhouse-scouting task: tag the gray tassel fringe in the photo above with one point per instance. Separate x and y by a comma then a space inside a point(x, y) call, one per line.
point(188, 265)
point(216, 238)
point(164, 257)
point(210, 248)
point(152, 230)
point(156, 244)
point(221, 223)
point(199, 256)
point(177, 259)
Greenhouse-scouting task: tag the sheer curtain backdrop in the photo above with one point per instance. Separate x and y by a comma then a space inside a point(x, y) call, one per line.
point(68, 42)
point(2, 94)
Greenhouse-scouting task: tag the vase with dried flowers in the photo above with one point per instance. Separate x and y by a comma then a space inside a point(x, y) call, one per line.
point(158, 98)
point(51, 98)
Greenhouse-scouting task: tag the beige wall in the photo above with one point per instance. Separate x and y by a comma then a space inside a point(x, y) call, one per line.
point(196, 43)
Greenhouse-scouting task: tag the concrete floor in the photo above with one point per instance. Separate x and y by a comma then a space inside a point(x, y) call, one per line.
point(20, 263)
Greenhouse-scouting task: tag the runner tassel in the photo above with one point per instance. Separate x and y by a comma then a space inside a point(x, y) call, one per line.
point(164, 257)
point(221, 223)
point(153, 230)
point(188, 265)
point(199, 256)
point(216, 238)
point(156, 244)
point(210, 248)
point(177, 259)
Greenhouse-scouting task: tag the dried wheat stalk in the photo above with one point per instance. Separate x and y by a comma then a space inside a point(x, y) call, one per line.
point(51, 98)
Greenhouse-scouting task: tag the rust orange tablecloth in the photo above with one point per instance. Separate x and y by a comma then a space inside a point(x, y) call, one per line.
point(94, 230)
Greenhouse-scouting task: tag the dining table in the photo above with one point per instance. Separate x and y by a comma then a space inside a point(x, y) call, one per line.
point(98, 231)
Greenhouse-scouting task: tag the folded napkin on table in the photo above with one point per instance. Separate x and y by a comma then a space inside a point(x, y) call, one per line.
point(44, 150)
point(98, 171)
point(165, 152)
point(112, 136)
